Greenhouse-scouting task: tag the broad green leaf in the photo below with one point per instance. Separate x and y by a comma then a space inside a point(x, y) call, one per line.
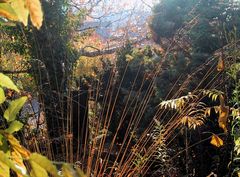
point(37, 170)
point(5, 81)
point(8, 12)
point(3, 144)
point(9, 164)
point(15, 145)
point(14, 127)
point(44, 163)
point(14, 108)
point(35, 10)
point(2, 96)
point(21, 11)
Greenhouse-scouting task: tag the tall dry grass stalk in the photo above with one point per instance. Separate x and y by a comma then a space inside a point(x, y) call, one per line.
point(99, 157)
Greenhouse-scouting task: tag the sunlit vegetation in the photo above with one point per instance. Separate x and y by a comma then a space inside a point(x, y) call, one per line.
point(149, 90)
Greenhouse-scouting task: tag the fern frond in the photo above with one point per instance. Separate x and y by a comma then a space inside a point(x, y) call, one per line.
point(213, 94)
point(195, 115)
point(177, 103)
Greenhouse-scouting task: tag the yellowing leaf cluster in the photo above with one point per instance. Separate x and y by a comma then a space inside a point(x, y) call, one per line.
point(13, 154)
point(19, 10)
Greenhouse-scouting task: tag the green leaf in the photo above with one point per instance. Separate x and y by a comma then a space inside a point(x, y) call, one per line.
point(37, 170)
point(14, 108)
point(3, 144)
point(14, 127)
point(2, 96)
point(44, 163)
point(5, 81)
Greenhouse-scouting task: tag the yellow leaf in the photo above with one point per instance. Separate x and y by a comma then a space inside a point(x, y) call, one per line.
point(5, 160)
point(221, 98)
point(36, 14)
point(80, 173)
point(2, 96)
point(8, 12)
point(68, 171)
point(220, 66)
point(216, 141)
point(18, 161)
point(44, 163)
point(4, 170)
point(208, 112)
point(20, 10)
point(17, 147)
point(129, 57)
point(5, 81)
point(37, 170)
point(223, 117)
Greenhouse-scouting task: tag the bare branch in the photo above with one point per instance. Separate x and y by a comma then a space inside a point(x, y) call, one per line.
point(14, 72)
point(108, 51)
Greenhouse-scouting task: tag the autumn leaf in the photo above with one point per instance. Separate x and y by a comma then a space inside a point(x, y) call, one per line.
point(18, 161)
point(17, 147)
point(37, 170)
point(44, 163)
point(207, 112)
point(20, 10)
point(4, 159)
point(35, 10)
point(223, 117)
point(68, 171)
point(220, 66)
point(216, 141)
point(2, 96)
point(8, 12)
point(4, 169)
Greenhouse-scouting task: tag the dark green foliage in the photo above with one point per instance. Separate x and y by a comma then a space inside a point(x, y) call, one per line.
point(215, 25)
point(169, 16)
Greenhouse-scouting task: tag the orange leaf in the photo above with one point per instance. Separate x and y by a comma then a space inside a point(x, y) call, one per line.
point(35, 11)
point(220, 66)
point(216, 141)
point(17, 147)
point(223, 117)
